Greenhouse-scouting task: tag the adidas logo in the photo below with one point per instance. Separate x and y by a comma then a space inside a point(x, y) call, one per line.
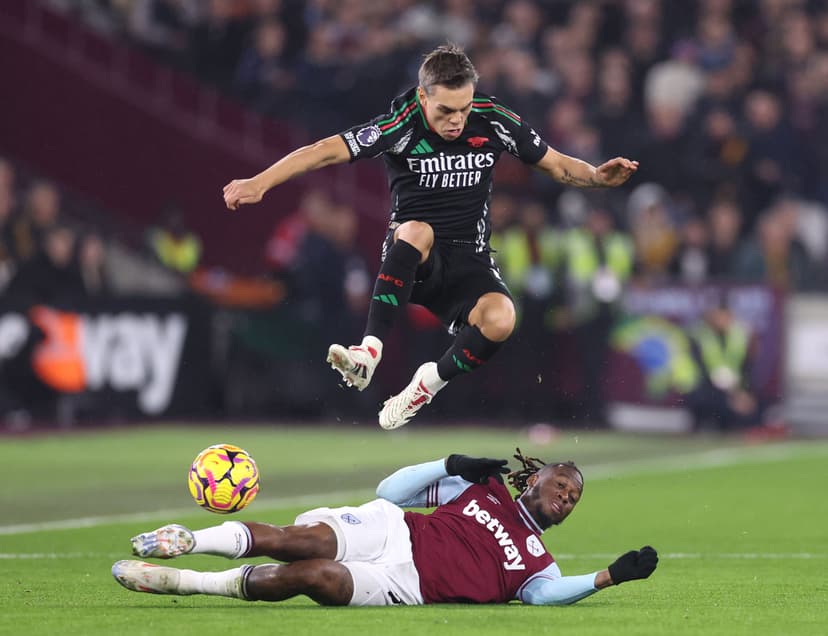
point(388, 299)
point(422, 148)
point(460, 364)
point(360, 369)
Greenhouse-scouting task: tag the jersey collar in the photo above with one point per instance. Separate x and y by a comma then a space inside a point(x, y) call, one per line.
point(426, 123)
point(527, 519)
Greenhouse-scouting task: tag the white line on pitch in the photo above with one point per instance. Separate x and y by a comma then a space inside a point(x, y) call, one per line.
point(265, 504)
point(702, 460)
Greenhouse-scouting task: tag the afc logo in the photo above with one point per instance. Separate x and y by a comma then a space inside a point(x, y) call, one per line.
point(390, 279)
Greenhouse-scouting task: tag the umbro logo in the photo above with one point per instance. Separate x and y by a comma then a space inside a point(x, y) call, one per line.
point(422, 148)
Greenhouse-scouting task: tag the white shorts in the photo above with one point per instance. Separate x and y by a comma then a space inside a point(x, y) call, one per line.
point(374, 543)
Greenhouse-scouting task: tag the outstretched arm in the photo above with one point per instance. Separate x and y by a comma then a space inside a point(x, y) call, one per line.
point(326, 152)
point(438, 482)
point(411, 486)
point(549, 588)
point(580, 174)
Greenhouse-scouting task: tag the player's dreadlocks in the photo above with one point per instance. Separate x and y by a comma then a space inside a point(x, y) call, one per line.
point(531, 465)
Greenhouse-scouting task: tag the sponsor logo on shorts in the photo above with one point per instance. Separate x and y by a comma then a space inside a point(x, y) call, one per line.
point(349, 518)
point(368, 136)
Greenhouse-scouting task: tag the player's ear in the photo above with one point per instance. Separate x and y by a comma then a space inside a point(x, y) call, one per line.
point(531, 480)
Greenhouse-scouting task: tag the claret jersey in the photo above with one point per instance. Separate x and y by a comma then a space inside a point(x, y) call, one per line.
point(480, 547)
point(444, 183)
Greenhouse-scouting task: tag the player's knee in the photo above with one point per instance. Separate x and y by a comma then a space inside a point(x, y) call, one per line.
point(416, 233)
point(502, 327)
point(263, 582)
point(329, 583)
point(498, 319)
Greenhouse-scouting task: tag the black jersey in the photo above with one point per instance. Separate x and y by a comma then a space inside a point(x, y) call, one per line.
point(446, 184)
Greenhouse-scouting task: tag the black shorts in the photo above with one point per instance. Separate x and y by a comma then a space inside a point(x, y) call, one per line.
point(452, 280)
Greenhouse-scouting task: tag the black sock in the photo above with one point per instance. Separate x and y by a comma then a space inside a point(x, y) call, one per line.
point(469, 350)
point(393, 288)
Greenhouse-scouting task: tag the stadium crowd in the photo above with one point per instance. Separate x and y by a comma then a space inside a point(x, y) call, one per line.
point(724, 103)
point(57, 248)
point(43, 258)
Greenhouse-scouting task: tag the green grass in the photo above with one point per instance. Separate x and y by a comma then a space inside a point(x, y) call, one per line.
point(742, 530)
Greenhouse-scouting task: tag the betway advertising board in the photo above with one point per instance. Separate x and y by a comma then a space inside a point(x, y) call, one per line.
point(147, 357)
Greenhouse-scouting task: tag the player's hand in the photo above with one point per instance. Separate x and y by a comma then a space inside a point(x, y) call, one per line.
point(635, 564)
point(476, 469)
point(615, 172)
point(242, 191)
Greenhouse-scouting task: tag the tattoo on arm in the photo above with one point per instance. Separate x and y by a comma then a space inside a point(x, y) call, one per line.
point(579, 182)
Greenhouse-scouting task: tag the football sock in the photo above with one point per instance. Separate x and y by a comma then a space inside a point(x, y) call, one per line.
point(231, 539)
point(227, 583)
point(393, 287)
point(432, 380)
point(469, 350)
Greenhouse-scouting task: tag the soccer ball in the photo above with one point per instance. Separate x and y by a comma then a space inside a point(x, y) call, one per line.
point(223, 478)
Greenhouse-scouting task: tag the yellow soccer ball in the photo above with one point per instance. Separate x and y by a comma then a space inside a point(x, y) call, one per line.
point(223, 478)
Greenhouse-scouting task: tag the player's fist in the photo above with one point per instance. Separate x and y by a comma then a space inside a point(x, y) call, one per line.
point(476, 469)
point(635, 564)
point(242, 191)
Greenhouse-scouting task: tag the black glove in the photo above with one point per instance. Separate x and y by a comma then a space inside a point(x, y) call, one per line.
point(476, 469)
point(635, 564)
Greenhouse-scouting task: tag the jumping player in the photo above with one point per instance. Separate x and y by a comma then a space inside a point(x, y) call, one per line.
point(479, 546)
point(440, 142)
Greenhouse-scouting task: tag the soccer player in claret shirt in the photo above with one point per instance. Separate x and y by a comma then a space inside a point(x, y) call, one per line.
point(478, 546)
point(440, 142)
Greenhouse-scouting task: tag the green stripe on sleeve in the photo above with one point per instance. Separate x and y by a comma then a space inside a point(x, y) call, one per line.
point(396, 113)
point(499, 111)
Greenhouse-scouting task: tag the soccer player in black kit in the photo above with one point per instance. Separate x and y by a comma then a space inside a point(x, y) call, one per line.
point(440, 142)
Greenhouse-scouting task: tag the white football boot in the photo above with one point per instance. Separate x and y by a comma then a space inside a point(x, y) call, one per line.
point(402, 407)
point(147, 577)
point(167, 542)
point(356, 363)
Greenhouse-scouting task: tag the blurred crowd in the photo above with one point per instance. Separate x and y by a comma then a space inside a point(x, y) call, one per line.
point(42, 257)
point(58, 249)
point(724, 102)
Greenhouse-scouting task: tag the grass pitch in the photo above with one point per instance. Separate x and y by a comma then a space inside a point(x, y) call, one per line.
point(741, 530)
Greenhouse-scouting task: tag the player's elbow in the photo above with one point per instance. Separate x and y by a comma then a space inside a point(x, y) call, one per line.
point(385, 491)
point(329, 151)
